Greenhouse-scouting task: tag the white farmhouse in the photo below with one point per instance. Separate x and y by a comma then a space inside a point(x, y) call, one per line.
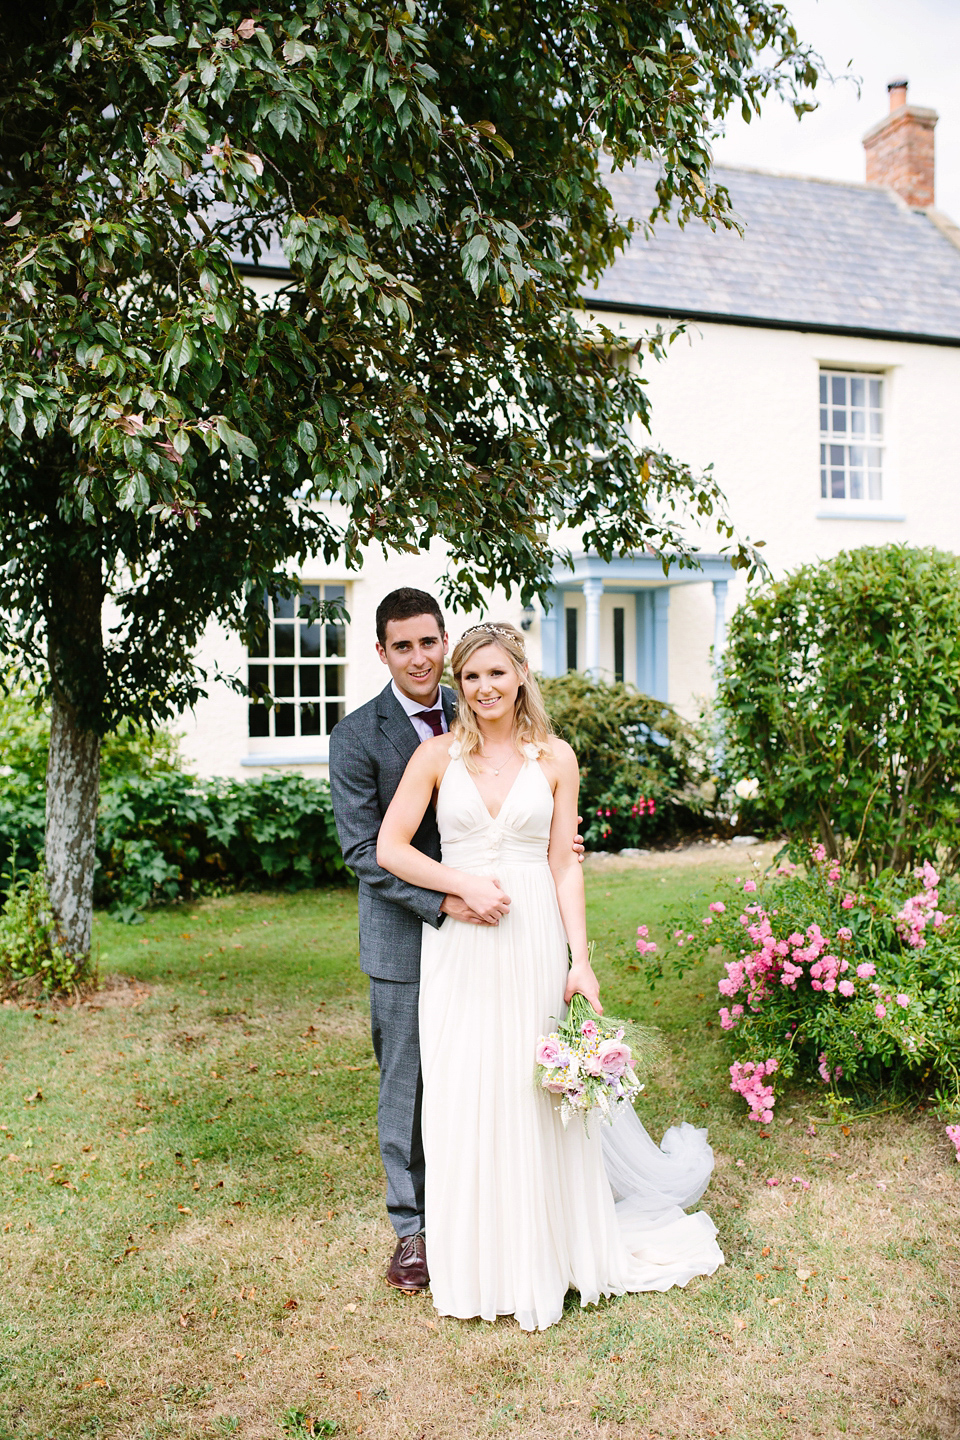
point(819, 375)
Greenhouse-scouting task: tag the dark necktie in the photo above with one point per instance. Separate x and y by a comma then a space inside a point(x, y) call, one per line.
point(434, 719)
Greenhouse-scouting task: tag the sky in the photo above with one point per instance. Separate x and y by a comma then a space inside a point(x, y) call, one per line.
point(876, 41)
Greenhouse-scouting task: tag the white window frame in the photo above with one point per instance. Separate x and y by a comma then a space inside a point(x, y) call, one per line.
point(280, 672)
point(841, 446)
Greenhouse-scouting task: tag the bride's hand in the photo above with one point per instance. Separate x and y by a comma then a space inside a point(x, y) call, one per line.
point(484, 896)
point(582, 981)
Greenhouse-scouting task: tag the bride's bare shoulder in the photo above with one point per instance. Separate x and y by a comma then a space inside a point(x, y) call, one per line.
point(562, 759)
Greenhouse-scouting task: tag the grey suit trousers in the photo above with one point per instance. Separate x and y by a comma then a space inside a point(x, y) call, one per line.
point(396, 1044)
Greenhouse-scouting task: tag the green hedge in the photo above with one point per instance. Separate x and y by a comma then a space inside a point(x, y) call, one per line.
point(640, 763)
point(170, 835)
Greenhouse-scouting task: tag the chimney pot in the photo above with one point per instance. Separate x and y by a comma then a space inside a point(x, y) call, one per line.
point(897, 90)
point(900, 149)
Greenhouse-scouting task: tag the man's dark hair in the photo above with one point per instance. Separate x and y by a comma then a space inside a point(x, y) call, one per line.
point(404, 604)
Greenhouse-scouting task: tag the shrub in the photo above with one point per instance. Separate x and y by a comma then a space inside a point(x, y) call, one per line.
point(33, 954)
point(848, 983)
point(840, 692)
point(170, 835)
point(638, 760)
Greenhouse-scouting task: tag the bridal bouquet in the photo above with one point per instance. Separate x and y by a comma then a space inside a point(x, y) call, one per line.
point(589, 1062)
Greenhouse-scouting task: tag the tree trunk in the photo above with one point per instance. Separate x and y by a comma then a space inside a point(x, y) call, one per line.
point(75, 653)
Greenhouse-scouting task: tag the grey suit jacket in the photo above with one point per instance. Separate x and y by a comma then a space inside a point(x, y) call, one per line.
point(369, 750)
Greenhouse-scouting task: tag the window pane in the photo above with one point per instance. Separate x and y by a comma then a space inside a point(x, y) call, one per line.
point(837, 454)
point(260, 645)
point(258, 679)
point(836, 484)
point(873, 457)
point(838, 389)
point(876, 393)
point(876, 424)
point(284, 719)
point(856, 456)
point(284, 607)
point(310, 642)
point(309, 680)
point(823, 389)
point(856, 484)
point(334, 592)
point(824, 420)
point(259, 721)
point(618, 644)
point(858, 422)
point(876, 491)
point(823, 484)
point(334, 681)
point(309, 719)
point(283, 640)
point(856, 390)
point(283, 679)
point(310, 593)
point(839, 422)
point(334, 711)
point(336, 638)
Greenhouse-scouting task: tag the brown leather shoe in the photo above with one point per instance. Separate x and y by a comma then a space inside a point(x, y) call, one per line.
point(408, 1268)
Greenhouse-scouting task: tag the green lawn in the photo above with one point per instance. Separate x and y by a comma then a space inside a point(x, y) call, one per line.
point(194, 1238)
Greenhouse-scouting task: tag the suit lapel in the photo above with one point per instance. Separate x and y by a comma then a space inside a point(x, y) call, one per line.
point(448, 700)
point(395, 724)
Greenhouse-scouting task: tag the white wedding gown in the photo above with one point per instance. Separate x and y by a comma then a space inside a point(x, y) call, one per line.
point(519, 1210)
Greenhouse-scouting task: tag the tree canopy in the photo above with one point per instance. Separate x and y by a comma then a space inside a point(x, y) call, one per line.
point(172, 437)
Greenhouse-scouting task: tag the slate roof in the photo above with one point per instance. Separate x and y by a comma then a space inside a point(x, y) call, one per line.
point(815, 254)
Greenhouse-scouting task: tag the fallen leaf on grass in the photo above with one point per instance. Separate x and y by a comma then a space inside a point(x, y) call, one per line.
point(32, 1099)
point(803, 1274)
point(184, 1209)
point(292, 1304)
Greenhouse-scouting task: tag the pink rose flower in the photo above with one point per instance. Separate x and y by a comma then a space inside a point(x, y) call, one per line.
point(848, 901)
point(866, 970)
point(880, 1011)
point(847, 987)
point(717, 906)
point(844, 933)
point(903, 1001)
point(749, 886)
point(548, 1052)
point(615, 1057)
point(589, 1030)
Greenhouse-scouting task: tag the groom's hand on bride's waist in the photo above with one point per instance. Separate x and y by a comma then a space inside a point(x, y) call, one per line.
point(458, 909)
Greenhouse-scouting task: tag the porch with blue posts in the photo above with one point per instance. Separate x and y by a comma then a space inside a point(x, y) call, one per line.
point(642, 578)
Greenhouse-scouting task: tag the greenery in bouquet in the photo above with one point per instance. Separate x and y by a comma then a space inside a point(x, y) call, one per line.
point(590, 1061)
point(846, 983)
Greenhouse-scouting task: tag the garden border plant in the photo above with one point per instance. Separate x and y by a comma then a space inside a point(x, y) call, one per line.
point(849, 983)
point(840, 693)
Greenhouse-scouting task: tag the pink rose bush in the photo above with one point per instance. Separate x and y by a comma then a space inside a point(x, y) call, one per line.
point(832, 977)
point(587, 1062)
point(953, 1133)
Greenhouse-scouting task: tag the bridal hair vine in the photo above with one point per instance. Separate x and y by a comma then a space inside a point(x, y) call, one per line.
point(493, 630)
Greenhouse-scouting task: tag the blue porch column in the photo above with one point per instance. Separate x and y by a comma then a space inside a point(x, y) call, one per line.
point(553, 634)
point(661, 638)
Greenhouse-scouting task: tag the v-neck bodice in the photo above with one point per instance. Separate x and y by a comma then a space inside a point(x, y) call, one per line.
point(473, 839)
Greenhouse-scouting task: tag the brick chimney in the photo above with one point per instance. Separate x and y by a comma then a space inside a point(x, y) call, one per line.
point(900, 149)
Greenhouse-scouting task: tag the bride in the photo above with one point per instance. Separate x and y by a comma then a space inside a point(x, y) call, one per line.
point(518, 1209)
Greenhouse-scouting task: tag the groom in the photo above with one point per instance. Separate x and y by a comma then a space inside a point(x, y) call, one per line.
point(369, 750)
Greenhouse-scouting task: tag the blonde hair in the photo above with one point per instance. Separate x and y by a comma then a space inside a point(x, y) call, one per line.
point(531, 724)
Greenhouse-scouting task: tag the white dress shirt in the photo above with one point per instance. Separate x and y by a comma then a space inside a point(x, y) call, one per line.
point(413, 706)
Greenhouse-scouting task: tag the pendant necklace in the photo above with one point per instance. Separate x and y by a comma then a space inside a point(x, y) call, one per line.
point(502, 764)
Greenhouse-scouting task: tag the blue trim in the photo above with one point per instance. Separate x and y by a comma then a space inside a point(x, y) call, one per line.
point(639, 568)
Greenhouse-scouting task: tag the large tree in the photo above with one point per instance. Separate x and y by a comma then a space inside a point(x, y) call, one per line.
point(436, 175)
